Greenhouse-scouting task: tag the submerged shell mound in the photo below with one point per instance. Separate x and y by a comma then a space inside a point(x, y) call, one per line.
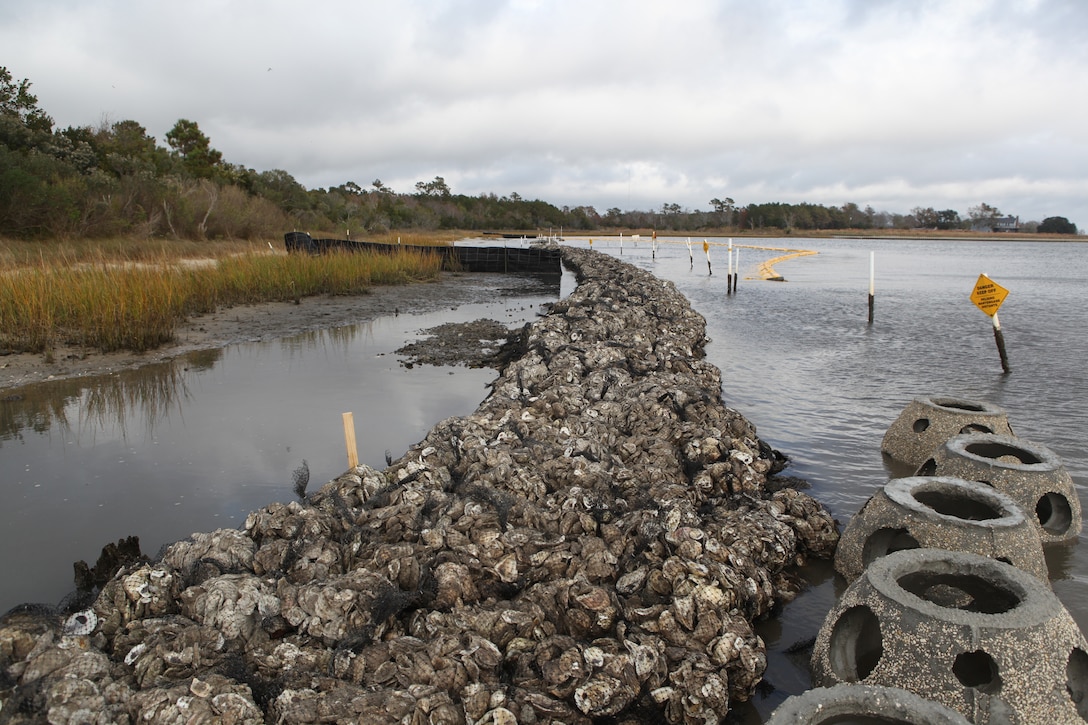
point(592, 543)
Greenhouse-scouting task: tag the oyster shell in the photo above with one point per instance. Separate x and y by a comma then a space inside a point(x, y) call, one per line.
point(598, 533)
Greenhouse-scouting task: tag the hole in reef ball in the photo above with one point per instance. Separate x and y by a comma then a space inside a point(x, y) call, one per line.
point(856, 645)
point(978, 670)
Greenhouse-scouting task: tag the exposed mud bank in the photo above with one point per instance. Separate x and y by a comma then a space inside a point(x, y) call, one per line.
point(261, 322)
point(592, 543)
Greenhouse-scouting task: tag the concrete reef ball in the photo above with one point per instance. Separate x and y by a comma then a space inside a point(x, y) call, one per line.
point(1029, 473)
point(926, 423)
point(972, 633)
point(862, 704)
point(940, 513)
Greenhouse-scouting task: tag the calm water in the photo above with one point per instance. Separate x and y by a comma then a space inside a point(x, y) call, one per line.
point(800, 360)
point(197, 443)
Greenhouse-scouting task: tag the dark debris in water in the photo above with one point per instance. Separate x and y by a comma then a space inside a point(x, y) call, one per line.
point(474, 344)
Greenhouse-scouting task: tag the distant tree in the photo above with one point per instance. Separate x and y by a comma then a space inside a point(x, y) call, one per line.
point(22, 124)
point(16, 100)
point(948, 219)
point(194, 149)
point(983, 214)
point(380, 187)
point(924, 218)
point(1057, 225)
point(125, 147)
point(438, 187)
point(281, 189)
point(855, 218)
point(723, 208)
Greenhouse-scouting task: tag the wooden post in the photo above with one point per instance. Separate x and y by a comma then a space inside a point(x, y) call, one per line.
point(349, 440)
point(999, 338)
point(872, 284)
point(736, 269)
point(706, 248)
point(691, 259)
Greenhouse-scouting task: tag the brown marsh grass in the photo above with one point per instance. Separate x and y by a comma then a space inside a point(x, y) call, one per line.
point(132, 296)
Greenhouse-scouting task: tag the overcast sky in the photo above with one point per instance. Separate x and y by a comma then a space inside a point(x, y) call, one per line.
point(610, 103)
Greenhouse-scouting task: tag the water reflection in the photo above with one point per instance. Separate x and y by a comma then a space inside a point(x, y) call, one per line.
point(147, 394)
point(97, 402)
point(197, 443)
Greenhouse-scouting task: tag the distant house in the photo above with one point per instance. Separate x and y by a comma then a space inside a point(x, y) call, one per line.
point(998, 224)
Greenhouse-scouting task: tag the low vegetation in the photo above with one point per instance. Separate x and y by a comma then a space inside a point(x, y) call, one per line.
point(117, 180)
point(109, 239)
point(114, 303)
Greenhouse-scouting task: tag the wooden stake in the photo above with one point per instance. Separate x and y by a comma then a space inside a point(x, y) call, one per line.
point(706, 248)
point(736, 269)
point(349, 440)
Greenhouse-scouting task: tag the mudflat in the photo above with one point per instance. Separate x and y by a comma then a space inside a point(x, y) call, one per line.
point(252, 323)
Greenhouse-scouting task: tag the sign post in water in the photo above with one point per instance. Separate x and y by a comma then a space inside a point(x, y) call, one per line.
point(988, 296)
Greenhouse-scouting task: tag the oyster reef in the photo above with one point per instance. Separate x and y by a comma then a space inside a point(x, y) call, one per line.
point(592, 543)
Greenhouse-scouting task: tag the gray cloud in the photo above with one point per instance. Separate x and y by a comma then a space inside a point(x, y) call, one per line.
point(627, 103)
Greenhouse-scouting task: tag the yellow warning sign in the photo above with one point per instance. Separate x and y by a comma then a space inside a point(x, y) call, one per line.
point(988, 295)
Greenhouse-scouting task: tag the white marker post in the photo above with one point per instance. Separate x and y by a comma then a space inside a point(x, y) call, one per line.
point(729, 270)
point(706, 248)
point(691, 259)
point(736, 264)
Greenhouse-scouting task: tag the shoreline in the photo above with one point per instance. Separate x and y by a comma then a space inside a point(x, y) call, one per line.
point(249, 323)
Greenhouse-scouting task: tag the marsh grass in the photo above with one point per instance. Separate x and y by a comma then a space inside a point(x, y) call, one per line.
point(18, 253)
point(135, 301)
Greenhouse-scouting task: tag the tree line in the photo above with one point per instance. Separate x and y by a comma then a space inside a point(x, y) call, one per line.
point(115, 179)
